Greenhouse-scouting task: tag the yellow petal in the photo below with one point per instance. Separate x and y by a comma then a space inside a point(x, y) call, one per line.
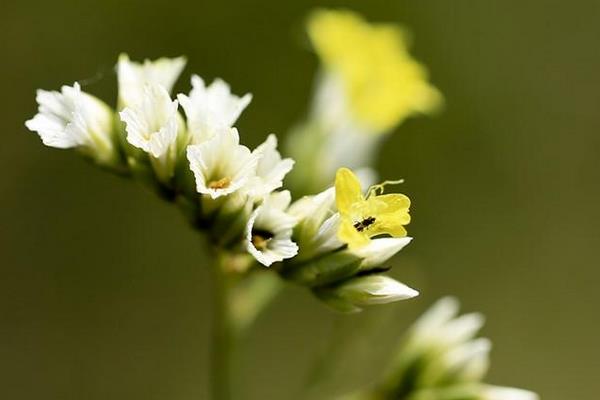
point(388, 203)
point(391, 213)
point(391, 225)
point(347, 190)
point(383, 83)
point(349, 235)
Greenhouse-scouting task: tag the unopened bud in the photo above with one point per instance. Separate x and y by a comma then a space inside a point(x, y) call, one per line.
point(366, 290)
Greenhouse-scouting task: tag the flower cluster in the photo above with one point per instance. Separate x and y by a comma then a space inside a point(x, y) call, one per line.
point(442, 359)
point(192, 155)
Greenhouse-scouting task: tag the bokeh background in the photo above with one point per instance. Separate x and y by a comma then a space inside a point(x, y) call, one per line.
point(104, 290)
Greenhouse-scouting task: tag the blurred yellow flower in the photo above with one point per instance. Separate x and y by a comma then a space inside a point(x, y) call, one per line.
point(365, 217)
point(383, 83)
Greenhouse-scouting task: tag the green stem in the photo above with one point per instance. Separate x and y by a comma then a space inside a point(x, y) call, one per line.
point(251, 297)
point(223, 335)
point(324, 365)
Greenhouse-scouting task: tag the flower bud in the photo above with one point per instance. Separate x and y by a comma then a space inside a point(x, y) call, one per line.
point(362, 291)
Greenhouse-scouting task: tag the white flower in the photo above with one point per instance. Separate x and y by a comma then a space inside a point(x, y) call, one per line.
point(211, 108)
point(269, 230)
point(271, 168)
point(151, 123)
point(72, 118)
point(448, 342)
point(470, 360)
point(133, 76)
point(507, 393)
point(221, 165)
point(439, 326)
point(316, 231)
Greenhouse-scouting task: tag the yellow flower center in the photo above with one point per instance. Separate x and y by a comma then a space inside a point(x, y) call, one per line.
point(222, 183)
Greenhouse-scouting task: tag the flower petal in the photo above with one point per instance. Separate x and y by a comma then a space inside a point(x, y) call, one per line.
point(347, 190)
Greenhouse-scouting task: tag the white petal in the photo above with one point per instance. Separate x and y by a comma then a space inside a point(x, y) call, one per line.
point(375, 289)
point(378, 251)
point(271, 217)
point(271, 168)
point(470, 359)
point(221, 157)
point(507, 393)
point(315, 208)
point(326, 238)
point(436, 317)
point(211, 108)
point(151, 123)
point(316, 230)
point(462, 328)
point(133, 76)
point(72, 118)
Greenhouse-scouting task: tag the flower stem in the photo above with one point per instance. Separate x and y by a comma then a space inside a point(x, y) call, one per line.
point(223, 335)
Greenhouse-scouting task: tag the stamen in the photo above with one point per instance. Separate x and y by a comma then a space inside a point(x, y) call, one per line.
point(380, 187)
point(261, 238)
point(222, 183)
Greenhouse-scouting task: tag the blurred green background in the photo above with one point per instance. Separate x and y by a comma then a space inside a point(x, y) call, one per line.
point(104, 291)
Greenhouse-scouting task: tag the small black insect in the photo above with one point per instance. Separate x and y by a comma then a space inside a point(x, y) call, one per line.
point(364, 224)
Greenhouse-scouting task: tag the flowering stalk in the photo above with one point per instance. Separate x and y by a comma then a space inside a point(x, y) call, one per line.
point(223, 329)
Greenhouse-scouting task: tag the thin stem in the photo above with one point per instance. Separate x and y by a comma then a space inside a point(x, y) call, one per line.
point(223, 334)
point(251, 297)
point(324, 365)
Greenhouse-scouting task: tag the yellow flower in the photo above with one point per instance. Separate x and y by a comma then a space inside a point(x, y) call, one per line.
point(383, 83)
point(364, 217)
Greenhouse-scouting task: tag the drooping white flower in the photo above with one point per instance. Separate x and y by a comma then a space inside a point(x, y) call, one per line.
point(73, 118)
point(134, 76)
point(271, 168)
point(211, 108)
point(269, 230)
point(221, 165)
point(151, 123)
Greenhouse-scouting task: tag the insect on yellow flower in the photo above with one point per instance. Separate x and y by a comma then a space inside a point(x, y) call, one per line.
point(363, 217)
